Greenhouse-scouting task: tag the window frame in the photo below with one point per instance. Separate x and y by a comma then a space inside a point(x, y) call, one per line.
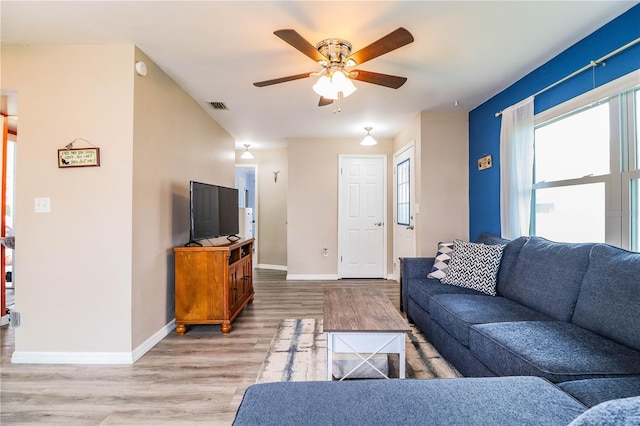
point(406, 182)
point(620, 217)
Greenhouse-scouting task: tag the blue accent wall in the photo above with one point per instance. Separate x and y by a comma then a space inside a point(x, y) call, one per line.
point(484, 127)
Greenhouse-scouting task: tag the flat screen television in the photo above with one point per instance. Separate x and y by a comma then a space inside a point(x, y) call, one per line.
point(214, 211)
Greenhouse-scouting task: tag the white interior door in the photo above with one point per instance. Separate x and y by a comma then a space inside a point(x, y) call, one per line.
point(404, 195)
point(362, 218)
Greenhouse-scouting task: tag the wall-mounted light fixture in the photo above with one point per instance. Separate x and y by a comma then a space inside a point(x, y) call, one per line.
point(246, 155)
point(368, 140)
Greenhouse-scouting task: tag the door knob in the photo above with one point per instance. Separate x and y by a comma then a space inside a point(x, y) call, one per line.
point(410, 227)
point(378, 224)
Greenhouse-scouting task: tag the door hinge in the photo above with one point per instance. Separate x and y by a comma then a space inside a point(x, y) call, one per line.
point(340, 259)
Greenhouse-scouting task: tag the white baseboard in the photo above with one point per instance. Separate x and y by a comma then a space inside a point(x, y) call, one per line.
point(274, 267)
point(72, 358)
point(308, 277)
point(153, 340)
point(102, 358)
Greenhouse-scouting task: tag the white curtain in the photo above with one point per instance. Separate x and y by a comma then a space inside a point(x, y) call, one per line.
point(516, 169)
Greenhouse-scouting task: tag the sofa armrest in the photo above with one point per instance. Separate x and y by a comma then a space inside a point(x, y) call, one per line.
point(412, 267)
point(415, 267)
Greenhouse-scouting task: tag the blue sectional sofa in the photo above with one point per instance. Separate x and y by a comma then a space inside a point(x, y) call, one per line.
point(569, 313)
point(493, 401)
point(566, 313)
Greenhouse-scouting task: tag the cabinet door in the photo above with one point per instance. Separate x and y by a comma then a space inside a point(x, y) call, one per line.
point(234, 289)
point(247, 271)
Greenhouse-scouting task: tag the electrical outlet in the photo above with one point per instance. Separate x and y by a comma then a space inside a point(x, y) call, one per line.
point(485, 162)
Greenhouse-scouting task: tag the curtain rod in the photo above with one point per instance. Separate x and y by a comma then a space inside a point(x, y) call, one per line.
point(591, 64)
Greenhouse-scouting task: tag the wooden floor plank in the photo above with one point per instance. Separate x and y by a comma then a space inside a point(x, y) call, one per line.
point(198, 378)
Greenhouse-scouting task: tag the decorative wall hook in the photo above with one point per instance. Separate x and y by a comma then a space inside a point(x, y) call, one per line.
point(275, 176)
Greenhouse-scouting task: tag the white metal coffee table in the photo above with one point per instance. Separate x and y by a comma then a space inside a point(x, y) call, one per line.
point(362, 321)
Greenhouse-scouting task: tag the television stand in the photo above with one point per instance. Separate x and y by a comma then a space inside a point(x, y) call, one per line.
point(212, 283)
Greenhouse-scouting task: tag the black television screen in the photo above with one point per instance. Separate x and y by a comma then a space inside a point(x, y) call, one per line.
point(214, 211)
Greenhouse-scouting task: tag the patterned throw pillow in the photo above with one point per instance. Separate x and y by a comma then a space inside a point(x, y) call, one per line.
point(474, 266)
point(441, 262)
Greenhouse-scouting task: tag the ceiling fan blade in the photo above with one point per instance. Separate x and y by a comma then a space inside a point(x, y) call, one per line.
point(392, 81)
point(386, 44)
point(324, 101)
point(296, 40)
point(282, 79)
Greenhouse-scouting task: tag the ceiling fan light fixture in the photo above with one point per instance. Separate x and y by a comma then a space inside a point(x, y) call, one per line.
point(246, 155)
point(342, 83)
point(330, 86)
point(368, 140)
point(324, 88)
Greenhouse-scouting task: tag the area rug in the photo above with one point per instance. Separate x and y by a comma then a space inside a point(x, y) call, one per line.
point(298, 352)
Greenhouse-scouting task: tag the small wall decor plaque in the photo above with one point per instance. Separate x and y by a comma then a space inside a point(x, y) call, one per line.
point(78, 157)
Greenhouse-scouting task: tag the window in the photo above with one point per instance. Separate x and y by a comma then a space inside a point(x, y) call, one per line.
point(403, 193)
point(586, 173)
point(573, 146)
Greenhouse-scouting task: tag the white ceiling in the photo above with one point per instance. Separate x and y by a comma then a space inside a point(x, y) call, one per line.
point(463, 51)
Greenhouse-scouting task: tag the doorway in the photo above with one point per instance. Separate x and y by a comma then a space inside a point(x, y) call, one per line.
point(362, 216)
point(246, 183)
point(8, 111)
point(404, 195)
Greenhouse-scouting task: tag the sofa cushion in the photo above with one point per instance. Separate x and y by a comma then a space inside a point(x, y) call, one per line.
point(474, 266)
point(457, 312)
point(609, 300)
point(594, 391)
point(618, 412)
point(555, 350)
point(421, 290)
point(441, 263)
point(473, 401)
point(547, 276)
point(509, 254)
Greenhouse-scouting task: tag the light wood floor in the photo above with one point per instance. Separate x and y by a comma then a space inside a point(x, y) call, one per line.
point(198, 378)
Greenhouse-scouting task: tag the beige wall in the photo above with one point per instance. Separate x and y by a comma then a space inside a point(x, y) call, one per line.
point(271, 205)
point(94, 276)
point(444, 179)
point(442, 176)
point(175, 141)
point(73, 265)
point(312, 211)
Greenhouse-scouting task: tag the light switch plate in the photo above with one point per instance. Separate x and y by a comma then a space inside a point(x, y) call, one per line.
point(43, 205)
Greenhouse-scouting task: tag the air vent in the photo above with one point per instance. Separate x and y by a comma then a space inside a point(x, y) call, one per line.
point(218, 105)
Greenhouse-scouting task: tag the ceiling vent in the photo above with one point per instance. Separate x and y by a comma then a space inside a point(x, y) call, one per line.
point(218, 105)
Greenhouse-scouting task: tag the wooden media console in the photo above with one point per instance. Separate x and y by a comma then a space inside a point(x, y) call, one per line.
point(212, 283)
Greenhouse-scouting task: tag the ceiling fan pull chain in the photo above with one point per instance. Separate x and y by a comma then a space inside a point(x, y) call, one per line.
point(336, 104)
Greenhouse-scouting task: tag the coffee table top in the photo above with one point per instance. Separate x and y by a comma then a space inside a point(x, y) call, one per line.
point(360, 310)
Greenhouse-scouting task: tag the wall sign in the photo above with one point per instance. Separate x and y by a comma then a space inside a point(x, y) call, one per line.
point(78, 157)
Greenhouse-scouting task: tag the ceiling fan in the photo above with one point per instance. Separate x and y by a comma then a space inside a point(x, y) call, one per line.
point(335, 56)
